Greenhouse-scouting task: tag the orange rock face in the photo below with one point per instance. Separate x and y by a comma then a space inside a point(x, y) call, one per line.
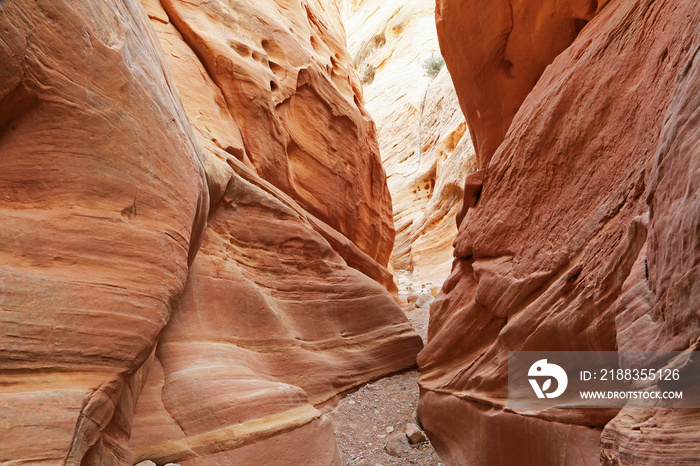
point(273, 324)
point(103, 201)
point(507, 44)
point(285, 76)
point(122, 340)
point(593, 179)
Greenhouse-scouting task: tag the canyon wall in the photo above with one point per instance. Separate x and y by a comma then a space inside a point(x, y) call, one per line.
point(423, 139)
point(197, 233)
point(580, 231)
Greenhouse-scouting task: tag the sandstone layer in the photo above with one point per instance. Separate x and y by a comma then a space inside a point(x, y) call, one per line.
point(273, 324)
point(579, 234)
point(496, 52)
point(663, 312)
point(103, 201)
point(232, 349)
point(284, 75)
point(423, 138)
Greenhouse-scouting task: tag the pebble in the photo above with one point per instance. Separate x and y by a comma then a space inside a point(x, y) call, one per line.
point(414, 433)
point(397, 444)
point(424, 300)
point(389, 429)
point(351, 402)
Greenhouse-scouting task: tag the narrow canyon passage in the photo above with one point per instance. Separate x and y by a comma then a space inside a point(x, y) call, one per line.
point(228, 228)
point(427, 152)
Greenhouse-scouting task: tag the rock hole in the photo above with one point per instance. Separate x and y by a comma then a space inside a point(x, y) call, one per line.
point(314, 43)
point(241, 49)
point(129, 212)
point(379, 40)
point(508, 68)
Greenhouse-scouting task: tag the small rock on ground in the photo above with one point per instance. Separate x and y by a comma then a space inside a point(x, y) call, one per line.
point(360, 427)
point(414, 433)
point(397, 444)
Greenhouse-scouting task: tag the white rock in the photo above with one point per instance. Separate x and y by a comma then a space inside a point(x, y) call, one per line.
point(423, 138)
point(389, 429)
point(424, 301)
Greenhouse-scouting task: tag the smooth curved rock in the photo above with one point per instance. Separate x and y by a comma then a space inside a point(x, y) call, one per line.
point(507, 45)
point(275, 322)
point(103, 200)
point(550, 256)
point(272, 323)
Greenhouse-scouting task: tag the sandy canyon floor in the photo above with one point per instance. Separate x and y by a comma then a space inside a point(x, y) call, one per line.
point(365, 420)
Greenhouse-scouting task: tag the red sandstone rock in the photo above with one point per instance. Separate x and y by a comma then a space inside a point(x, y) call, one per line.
point(102, 199)
point(662, 312)
point(497, 50)
point(102, 181)
point(551, 257)
point(274, 322)
point(287, 80)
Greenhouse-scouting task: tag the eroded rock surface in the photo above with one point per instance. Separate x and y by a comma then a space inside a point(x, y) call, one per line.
point(284, 75)
point(507, 44)
point(592, 180)
point(273, 323)
point(423, 139)
point(104, 157)
point(661, 313)
point(103, 201)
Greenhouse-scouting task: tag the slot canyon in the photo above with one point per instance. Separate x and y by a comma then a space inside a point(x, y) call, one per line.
point(312, 232)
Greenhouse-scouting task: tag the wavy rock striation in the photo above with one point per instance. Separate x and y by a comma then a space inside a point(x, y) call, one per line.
point(273, 324)
point(103, 202)
point(111, 168)
point(595, 177)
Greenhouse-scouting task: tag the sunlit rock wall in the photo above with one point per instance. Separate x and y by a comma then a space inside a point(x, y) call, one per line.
point(122, 339)
point(423, 138)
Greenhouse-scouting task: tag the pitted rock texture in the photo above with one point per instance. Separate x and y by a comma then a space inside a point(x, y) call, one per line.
point(103, 201)
point(593, 180)
point(425, 146)
point(284, 75)
point(110, 169)
point(275, 322)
